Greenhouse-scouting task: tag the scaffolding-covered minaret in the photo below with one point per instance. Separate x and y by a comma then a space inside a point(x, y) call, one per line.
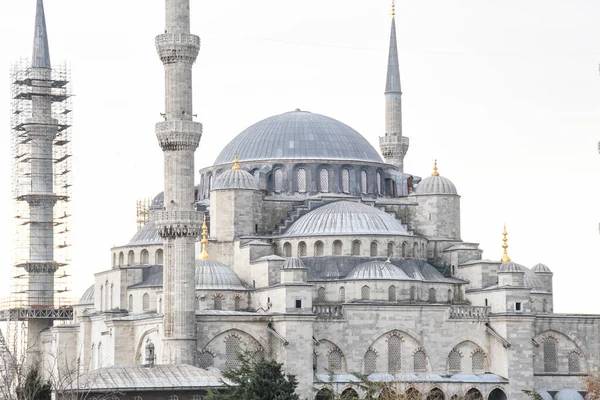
point(178, 223)
point(41, 113)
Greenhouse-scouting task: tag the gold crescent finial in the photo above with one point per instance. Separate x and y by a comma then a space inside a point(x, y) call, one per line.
point(505, 257)
point(393, 8)
point(204, 241)
point(236, 165)
point(435, 171)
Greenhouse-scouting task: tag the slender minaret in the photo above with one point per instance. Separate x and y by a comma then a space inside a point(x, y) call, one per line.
point(178, 223)
point(393, 145)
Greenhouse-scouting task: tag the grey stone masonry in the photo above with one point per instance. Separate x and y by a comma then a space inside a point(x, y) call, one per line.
point(178, 223)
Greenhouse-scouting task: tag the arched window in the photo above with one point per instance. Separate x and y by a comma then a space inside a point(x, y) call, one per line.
point(394, 346)
point(315, 358)
point(218, 302)
point(232, 348)
point(545, 305)
point(345, 181)
point(130, 308)
point(416, 250)
point(321, 294)
point(258, 356)
point(173, 397)
point(449, 296)
point(390, 249)
point(550, 355)
point(363, 182)
point(150, 356)
point(335, 360)
point(145, 257)
point(287, 249)
point(379, 192)
point(202, 188)
point(101, 297)
point(349, 394)
point(121, 257)
point(356, 248)
point(158, 257)
point(370, 362)
point(337, 248)
point(210, 184)
point(413, 394)
point(100, 355)
point(130, 258)
point(324, 394)
point(478, 361)
point(324, 180)
point(573, 361)
point(431, 295)
point(365, 293)
point(301, 178)
point(497, 394)
point(420, 361)
point(160, 306)
point(278, 180)
point(474, 394)
point(374, 249)
point(455, 361)
point(114, 259)
point(302, 249)
point(206, 359)
point(319, 248)
point(136, 398)
point(423, 252)
point(342, 294)
point(413, 293)
point(392, 293)
point(237, 303)
point(146, 302)
point(110, 303)
point(403, 249)
point(436, 394)
point(94, 357)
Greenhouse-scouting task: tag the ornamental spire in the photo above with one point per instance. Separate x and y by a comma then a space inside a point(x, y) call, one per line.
point(204, 241)
point(393, 8)
point(435, 170)
point(392, 84)
point(236, 164)
point(41, 51)
point(505, 257)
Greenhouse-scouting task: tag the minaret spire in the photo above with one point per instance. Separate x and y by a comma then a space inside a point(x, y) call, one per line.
point(393, 145)
point(41, 51)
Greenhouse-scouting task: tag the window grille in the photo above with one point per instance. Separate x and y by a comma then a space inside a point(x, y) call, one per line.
point(455, 361)
point(365, 293)
point(237, 303)
point(363, 182)
point(345, 181)
point(392, 293)
point(302, 249)
point(319, 248)
point(258, 356)
point(390, 249)
point(321, 294)
point(413, 293)
point(342, 294)
point(146, 302)
point(206, 360)
point(232, 348)
point(573, 361)
point(432, 295)
point(287, 249)
point(349, 394)
point(130, 308)
point(335, 360)
point(370, 362)
point(436, 394)
point(394, 354)
point(337, 248)
point(145, 257)
point(379, 183)
point(324, 180)
point(301, 177)
point(550, 355)
point(420, 361)
point(218, 303)
point(278, 180)
point(374, 249)
point(478, 360)
point(196, 397)
point(356, 248)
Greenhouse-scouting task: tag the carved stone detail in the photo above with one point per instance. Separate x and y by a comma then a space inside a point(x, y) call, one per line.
point(178, 135)
point(178, 223)
point(33, 267)
point(177, 47)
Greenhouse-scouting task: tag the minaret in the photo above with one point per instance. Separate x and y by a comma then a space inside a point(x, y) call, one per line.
point(393, 145)
point(178, 223)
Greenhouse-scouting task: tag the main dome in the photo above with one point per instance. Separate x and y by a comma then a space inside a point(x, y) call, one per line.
point(299, 135)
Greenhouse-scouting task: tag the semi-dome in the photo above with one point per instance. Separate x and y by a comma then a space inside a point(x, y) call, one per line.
point(378, 270)
point(293, 263)
point(568, 394)
point(213, 275)
point(299, 135)
point(541, 269)
point(236, 179)
point(346, 218)
point(88, 296)
point(146, 236)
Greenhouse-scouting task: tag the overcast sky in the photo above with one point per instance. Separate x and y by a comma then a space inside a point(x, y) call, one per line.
point(505, 94)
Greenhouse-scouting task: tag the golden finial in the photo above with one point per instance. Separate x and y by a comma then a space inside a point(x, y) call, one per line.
point(435, 171)
point(236, 165)
point(505, 257)
point(204, 241)
point(393, 8)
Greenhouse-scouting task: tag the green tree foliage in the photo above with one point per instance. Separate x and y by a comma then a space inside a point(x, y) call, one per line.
point(260, 380)
point(34, 387)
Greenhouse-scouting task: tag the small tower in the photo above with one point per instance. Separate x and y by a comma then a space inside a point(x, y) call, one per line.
point(393, 145)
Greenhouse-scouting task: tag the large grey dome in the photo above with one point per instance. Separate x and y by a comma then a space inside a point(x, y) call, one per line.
point(299, 135)
point(236, 179)
point(378, 270)
point(346, 218)
point(213, 275)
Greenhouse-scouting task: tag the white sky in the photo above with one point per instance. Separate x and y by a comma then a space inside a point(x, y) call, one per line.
point(504, 94)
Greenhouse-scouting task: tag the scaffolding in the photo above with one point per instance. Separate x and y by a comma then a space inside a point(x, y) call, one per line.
point(142, 212)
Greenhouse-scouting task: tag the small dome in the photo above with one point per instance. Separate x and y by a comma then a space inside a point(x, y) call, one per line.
point(293, 263)
point(346, 218)
point(568, 394)
point(88, 296)
point(436, 185)
point(530, 279)
point(213, 275)
point(378, 270)
point(511, 266)
point(541, 269)
point(146, 236)
point(545, 395)
point(158, 201)
point(236, 179)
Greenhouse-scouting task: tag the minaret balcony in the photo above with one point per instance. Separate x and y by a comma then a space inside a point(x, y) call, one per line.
point(178, 135)
point(177, 47)
point(394, 143)
point(178, 223)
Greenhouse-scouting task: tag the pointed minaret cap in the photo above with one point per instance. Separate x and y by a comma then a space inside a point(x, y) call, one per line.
point(392, 83)
point(204, 241)
point(41, 51)
point(435, 171)
point(505, 257)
